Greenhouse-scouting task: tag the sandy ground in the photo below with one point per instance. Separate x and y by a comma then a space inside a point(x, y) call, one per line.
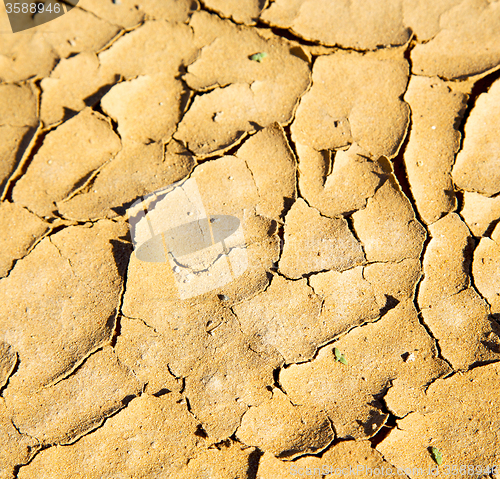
point(249, 239)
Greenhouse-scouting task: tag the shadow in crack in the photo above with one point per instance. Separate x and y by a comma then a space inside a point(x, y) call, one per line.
point(491, 227)
point(122, 250)
point(200, 432)
point(390, 303)
point(493, 342)
point(384, 431)
point(253, 463)
point(95, 98)
point(376, 419)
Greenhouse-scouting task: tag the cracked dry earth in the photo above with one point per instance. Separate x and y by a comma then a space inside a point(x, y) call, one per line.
point(361, 155)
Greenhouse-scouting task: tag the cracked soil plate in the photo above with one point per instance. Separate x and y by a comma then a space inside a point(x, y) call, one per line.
point(250, 239)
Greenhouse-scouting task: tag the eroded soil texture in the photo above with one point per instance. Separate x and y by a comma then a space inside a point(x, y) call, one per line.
point(326, 295)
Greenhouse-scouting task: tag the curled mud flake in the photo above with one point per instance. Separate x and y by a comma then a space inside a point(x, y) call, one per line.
point(316, 243)
point(287, 431)
point(153, 48)
point(82, 267)
point(276, 186)
point(455, 418)
point(62, 413)
point(254, 95)
point(486, 269)
point(25, 56)
point(18, 124)
point(451, 307)
point(393, 280)
point(480, 212)
point(150, 437)
point(349, 399)
point(348, 301)
point(340, 108)
point(463, 329)
point(75, 83)
point(241, 11)
point(445, 273)
point(76, 32)
point(359, 24)
point(433, 144)
point(60, 165)
point(285, 306)
point(14, 145)
point(18, 106)
point(147, 108)
point(203, 136)
point(387, 227)
point(337, 183)
point(477, 167)
point(136, 170)
point(225, 52)
point(468, 42)
point(21, 232)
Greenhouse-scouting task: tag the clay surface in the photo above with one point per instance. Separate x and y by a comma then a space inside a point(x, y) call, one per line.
point(433, 144)
point(249, 239)
point(62, 168)
point(476, 168)
point(341, 109)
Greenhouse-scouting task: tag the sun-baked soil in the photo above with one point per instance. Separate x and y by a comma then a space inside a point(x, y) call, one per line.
point(355, 142)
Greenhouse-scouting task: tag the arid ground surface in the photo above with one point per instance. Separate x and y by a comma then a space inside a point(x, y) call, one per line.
point(356, 143)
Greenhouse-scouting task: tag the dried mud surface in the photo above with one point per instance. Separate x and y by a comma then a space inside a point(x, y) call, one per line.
point(357, 144)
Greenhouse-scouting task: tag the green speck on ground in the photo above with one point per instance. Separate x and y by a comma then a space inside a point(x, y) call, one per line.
point(258, 57)
point(437, 456)
point(339, 356)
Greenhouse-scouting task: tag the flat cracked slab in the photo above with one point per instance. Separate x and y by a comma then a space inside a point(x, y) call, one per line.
point(433, 144)
point(248, 239)
point(456, 422)
point(254, 94)
point(18, 123)
point(315, 243)
point(455, 38)
point(341, 107)
point(62, 168)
